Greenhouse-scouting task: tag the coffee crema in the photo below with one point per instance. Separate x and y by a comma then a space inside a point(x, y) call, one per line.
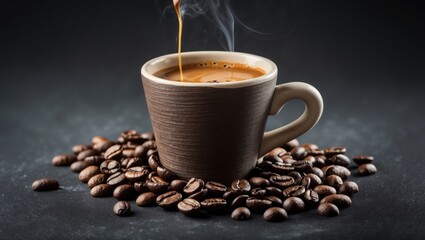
point(211, 72)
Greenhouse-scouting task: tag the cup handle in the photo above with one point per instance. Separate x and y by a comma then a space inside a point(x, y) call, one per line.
point(313, 110)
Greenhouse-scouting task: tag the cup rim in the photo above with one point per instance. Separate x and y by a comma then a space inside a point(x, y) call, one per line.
point(269, 75)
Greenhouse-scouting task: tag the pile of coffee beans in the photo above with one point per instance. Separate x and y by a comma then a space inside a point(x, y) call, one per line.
point(287, 180)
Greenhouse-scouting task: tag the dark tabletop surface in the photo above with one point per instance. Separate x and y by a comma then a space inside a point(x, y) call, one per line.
point(70, 70)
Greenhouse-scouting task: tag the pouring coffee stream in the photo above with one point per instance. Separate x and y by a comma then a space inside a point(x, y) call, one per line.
point(176, 4)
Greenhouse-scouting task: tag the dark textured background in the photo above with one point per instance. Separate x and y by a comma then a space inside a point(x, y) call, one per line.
point(70, 70)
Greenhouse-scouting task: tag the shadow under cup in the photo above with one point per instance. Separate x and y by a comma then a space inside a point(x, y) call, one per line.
point(211, 131)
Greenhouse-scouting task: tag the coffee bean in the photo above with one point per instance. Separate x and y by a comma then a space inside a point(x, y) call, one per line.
point(276, 202)
point(241, 185)
point(310, 146)
point(333, 181)
point(311, 197)
point(324, 190)
point(136, 174)
point(200, 195)
point(258, 205)
point(134, 162)
point(366, 169)
point(315, 152)
point(275, 214)
point(166, 174)
point(295, 175)
point(317, 171)
point(189, 206)
point(266, 174)
point(45, 184)
point(178, 185)
point(78, 166)
point(291, 145)
point(299, 153)
point(193, 185)
point(362, 159)
point(310, 159)
point(341, 171)
point(215, 188)
point(274, 155)
point(340, 200)
point(258, 192)
point(153, 162)
point(132, 136)
point(158, 185)
point(94, 160)
point(305, 182)
point(259, 182)
point(328, 209)
point(320, 161)
point(99, 139)
point(86, 153)
point(63, 160)
point(314, 180)
point(96, 180)
point(146, 199)
point(294, 191)
point(141, 187)
point(302, 166)
point(148, 136)
point(102, 146)
point(274, 191)
point(282, 168)
point(340, 159)
point(329, 152)
point(230, 195)
point(241, 214)
point(169, 200)
point(114, 152)
point(110, 166)
point(116, 179)
point(88, 172)
point(214, 205)
point(282, 181)
point(152, 174)
point(101, 190)
point(122, 208)
point(124, 192)
point(348, 188)
point(293, 205)
point(79, 148)
point(239, 201)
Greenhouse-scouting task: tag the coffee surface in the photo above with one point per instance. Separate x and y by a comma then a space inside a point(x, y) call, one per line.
point(211, 72)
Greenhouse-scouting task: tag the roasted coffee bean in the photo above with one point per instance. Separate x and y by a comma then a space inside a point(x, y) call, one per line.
point(142, 150)
point(328, 209)
point(276, 202)
point(153, 162)
point(324, 190)
point(169, 200)
point(230, 195)
point(275, 155)
point(266, 165)
point(302, 166)
point(348, 188)
point(178, 185)
point(333, 181)
point(99, 139)
point(124, 192)
point(86, 153)
point(366, 169)
point(310, 159)
point(291, 145)
point(116, 179)
point(239, 201)
point(294, 191)
point(299, 153)
point(241, 214)
point(88, 172)
point(282, 168)
point(341, 171)
point(127, 153)
point(102, 146)
point(146, 199)
point(215, 188)
point(166, 174)
point(305, 182)
point(275, 214)
point(258, 205)
point(274, 191)
point(94, 160)
point(311, 197)
point(148, 136)
point(152, 174)
point(339, 159)
point(310, 146)
point(110, 166)
point(158, 186)
point(295, 175)
point(132, 136)
point(123, 163)
point(315, 152)
point(282, 181)
point(214, 205)
point(63, 160)
point(134, 162)
point(45, 184)
point(114, 152)
point(314, 180)
point(293, 205)
point(259, 182)
point(258, 192)
point(193, 185)
point(79, 148)
point(329, 152)
point(200, 195)
point(241, 185)
point(266, 174)
point(78, 166)
point(317, 171)
point(136, 174)
point(362, 159)
point(101, 190)
point(320, 161)
point(96, 180)
point(141, 187)
point(122, 208)
point(189, 206)
point(340, 200)
point(151, 152)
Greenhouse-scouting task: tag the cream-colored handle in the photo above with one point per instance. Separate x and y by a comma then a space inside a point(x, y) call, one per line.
point(313, 110)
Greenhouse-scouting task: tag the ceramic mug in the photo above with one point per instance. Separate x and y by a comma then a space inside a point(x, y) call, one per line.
point(215, 131)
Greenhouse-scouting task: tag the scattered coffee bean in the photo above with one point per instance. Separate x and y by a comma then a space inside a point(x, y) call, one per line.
point(273, 191)
point(294, 191)
point(189, 206)
point(341, 171)
point(122, 208)
point(86, 153)
point(178, 185)
point(114, 152)
point(239, 201)
point(324, 190)
point(310, 146)
point(215, 188)
point(78, 166)
point(362, 159)
point(88, 172)
point(102, 146)
point(275, 214)
point(96, 180)
point(101, 190)
point(45, 184)
point(282, 181)
point(124, 192)
point(258, 205)
point(158, 185)
point(314, 180)
point(276, 202)
point(317, 171)
point(333, 181)
point(259, 182)
point(141, 187)
point(110, 166)
point(348, 188)
point(133, 162)
point(339, 159)
point(328, 209)
point(293, 205)
point(366, 169)
point(340, 200)
point(258, 192)
point(241, 214)
point(329, 152)
point(214, 205)
point(166, 174)
point(291, 145)
point(116, 179)
point(311, 197)
point(299, 153)
point(80, 147)
point(146, 199)
point(275, 155)
point(169, 200)
point(241, 185)
point(193, 185)
point(153, 162)
point(63, 160)
point(136, 174)
point(200, 195)
point(99, 139)
point(94, 160)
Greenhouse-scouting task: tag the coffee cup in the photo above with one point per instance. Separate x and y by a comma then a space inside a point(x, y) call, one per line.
point(215, 131)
